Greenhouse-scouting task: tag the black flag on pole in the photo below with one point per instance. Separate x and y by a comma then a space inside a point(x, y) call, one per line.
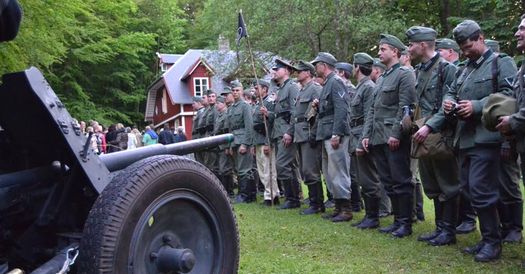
point(241, 29)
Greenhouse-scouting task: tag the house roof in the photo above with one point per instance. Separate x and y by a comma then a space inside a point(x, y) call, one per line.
point(169, 58)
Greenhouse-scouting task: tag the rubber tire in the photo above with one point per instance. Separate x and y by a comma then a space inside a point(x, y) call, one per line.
point(111, 222)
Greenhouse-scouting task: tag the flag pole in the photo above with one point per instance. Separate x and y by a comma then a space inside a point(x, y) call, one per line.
point(261, 102)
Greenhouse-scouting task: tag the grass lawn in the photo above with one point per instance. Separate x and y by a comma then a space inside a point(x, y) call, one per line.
point(278, 241)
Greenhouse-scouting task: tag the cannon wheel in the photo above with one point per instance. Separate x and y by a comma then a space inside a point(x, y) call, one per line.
point(163, 214)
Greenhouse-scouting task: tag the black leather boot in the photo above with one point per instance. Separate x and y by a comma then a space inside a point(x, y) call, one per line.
point(228, 184)
point(355, 198)
point(490, 232)
point(315, 195)
point(330, 203)
point(405, 204)
point(251, 190)
point(514, 224)
point(292, 195)
point(447, 236)
point(395, 210)
point(345, 214)
point(438, 211)
point(418, 203)
point(371, 219)
point(337, 209)
point(467, 216)
point(242, 195)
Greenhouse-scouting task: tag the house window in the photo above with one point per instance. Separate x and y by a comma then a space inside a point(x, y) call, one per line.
point(200, 85)
point(164, 67)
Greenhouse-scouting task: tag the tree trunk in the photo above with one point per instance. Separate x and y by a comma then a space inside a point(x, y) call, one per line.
point(444, 13)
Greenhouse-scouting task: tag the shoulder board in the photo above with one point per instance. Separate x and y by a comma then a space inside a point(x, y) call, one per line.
point(404, 68)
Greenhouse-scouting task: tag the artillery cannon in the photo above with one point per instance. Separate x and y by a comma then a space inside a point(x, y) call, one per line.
point(64, 208)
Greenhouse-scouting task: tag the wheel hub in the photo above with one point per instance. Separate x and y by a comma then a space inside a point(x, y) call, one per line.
point(169, 259)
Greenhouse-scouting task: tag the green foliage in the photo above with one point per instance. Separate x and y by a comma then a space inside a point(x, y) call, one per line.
point(98, 55)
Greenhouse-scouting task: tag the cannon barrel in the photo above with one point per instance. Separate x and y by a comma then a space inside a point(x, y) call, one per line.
point(122, 159)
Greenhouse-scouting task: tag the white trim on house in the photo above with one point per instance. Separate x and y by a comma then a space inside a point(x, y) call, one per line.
point(174, 117)
point(202, 90)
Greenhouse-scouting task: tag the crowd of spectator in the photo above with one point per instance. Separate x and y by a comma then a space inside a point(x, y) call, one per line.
point(117, 137)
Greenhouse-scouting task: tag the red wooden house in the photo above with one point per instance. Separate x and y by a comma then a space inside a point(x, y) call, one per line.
point(169, 98)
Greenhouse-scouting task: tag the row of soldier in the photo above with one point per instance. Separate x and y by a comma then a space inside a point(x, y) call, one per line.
point(364, 136)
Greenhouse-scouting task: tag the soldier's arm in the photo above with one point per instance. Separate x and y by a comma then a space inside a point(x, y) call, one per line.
point(369, 119)
point(506, 72)
point(340, 107)
point(368, 105)
point(407, 96)
point(293, 92)
point(437, 121)
point(248, 125)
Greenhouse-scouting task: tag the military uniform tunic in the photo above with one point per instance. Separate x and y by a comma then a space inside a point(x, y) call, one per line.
point(479, 147)
point(265, 163)
point(440, 177)
point(222, 127)
point(197, 125)
point(241, 124)
point(366, 168)
point(394, 90)
point(333, 120)
point(282, 111)
point(211, 159)
point(304, 134)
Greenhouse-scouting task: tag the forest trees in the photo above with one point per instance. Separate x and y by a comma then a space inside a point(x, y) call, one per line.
point(99, 55)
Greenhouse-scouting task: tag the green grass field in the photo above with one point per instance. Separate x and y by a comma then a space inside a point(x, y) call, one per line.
point(277, 241)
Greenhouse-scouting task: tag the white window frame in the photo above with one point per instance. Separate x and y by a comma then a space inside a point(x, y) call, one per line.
point(203, 88)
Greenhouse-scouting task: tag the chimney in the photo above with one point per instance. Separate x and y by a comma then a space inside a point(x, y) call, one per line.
point(224, 44)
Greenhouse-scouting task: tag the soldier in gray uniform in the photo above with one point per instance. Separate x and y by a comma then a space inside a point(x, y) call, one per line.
point(304, 131)
point(282, 133)
point(385, 207)
point(333, 132)
point(225, 168)
point(384, 137)
point(440, 176)
point(449, 50)
point(211, 161)
point(366, 168)
point(510, 207)
point(264, 151)
point(478, 147)
point(344, 70)
point(513, 126)
point(198, 108)
point(241, 125)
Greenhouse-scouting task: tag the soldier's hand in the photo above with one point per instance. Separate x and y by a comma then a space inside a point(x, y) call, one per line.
point(421, 135)
point(287, 140)
point(335, 141)
point(243, 149)
point(448, 106)
point(393, 143)
point(264, 111)
point(315, 103)
point(360, 152)
point(504, 125)
point(266, 150)
point(365, 144)
point(465, 109)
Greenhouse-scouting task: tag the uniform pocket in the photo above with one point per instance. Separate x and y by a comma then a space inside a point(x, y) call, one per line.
point(389, 95)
